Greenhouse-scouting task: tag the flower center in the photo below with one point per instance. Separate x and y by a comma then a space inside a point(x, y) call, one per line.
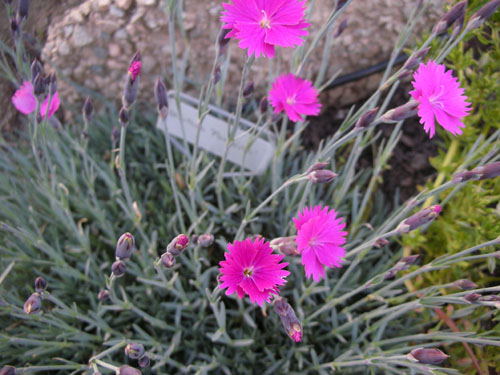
point(435, 99)
point(290, 100)
point(265, 22)
point(248, 272)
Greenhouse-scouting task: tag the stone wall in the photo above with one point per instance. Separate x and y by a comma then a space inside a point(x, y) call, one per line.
point(93, 42)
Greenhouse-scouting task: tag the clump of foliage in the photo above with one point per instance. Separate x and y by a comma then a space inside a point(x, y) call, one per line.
point(69, 193)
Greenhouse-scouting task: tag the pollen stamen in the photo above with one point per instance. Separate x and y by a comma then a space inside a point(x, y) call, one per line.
point(265, 22)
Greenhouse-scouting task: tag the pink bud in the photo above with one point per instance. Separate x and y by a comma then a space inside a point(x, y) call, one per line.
point(33, 304)
point(178, 244)
point(322, 176)
point(420, 218)
point(464, 284)
point(285, 245)
point(125, 246)
point(472, 297)
point(402, 112)
point(135, 66)
point(428, 356)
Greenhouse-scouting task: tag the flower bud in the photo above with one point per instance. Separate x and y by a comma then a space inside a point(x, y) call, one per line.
point(134, 351)
point(178, 244)
point(263, 105)
point(15, 31)
point(400, 113)
point(22, 9)
point(449, 18)
point(465, 176)
point(380, 242)
point(248, 89)
point(464, 284)
point(134, 69)
point(366, 119)
point(428, 356)
point(144, 361)
point(472, 297)
point(223, 41)
point(281, 306)
point(420, 218)
point(410, 260)
point(125, 246)
point(340, 29)
point(35, 69)
point(33, 304)
point(123, 117)
point(291, 324)
point(317, 167)
point(483, 14)
point(322, 176)
point(39, 85)
point(285, 245)
point(52, 83)
point(168, 260)
point(8, 370)
point(103, 295)
point(40, 284)
point(161, 97)
point(390, 274)
point(130, 91)
point(488, 171)
point(118, 268)
point(205, 240)
point(127, 370)
point(87, 110)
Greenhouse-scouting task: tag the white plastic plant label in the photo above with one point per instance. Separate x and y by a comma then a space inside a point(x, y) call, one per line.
point(254, 156)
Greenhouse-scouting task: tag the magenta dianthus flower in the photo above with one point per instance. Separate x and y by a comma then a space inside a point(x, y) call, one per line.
point(295, 96)
point(252, 268)
point(260, 25)
point(319, 240)
point(440, 97)
point(25, 101)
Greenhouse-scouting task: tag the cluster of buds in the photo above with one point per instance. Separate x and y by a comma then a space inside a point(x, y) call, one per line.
point(401, 265)
point(480, 173)
point(318, 174)
point(288, 318)
point(34, 303)
point(125, 246)
point(174, 249)
point(427, 356)
point(420, 218)
point(457, 12)
point(285, 245)
point(136, 351)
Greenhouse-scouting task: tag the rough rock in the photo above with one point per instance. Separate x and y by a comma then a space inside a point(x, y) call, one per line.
point(106, 33)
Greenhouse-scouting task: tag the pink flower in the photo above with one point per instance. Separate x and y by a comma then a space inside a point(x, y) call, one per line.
point(251, 268)
point(440, 97)
point(319, 240)
point(262, 24)
point(295, 96)
point(25, 101)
